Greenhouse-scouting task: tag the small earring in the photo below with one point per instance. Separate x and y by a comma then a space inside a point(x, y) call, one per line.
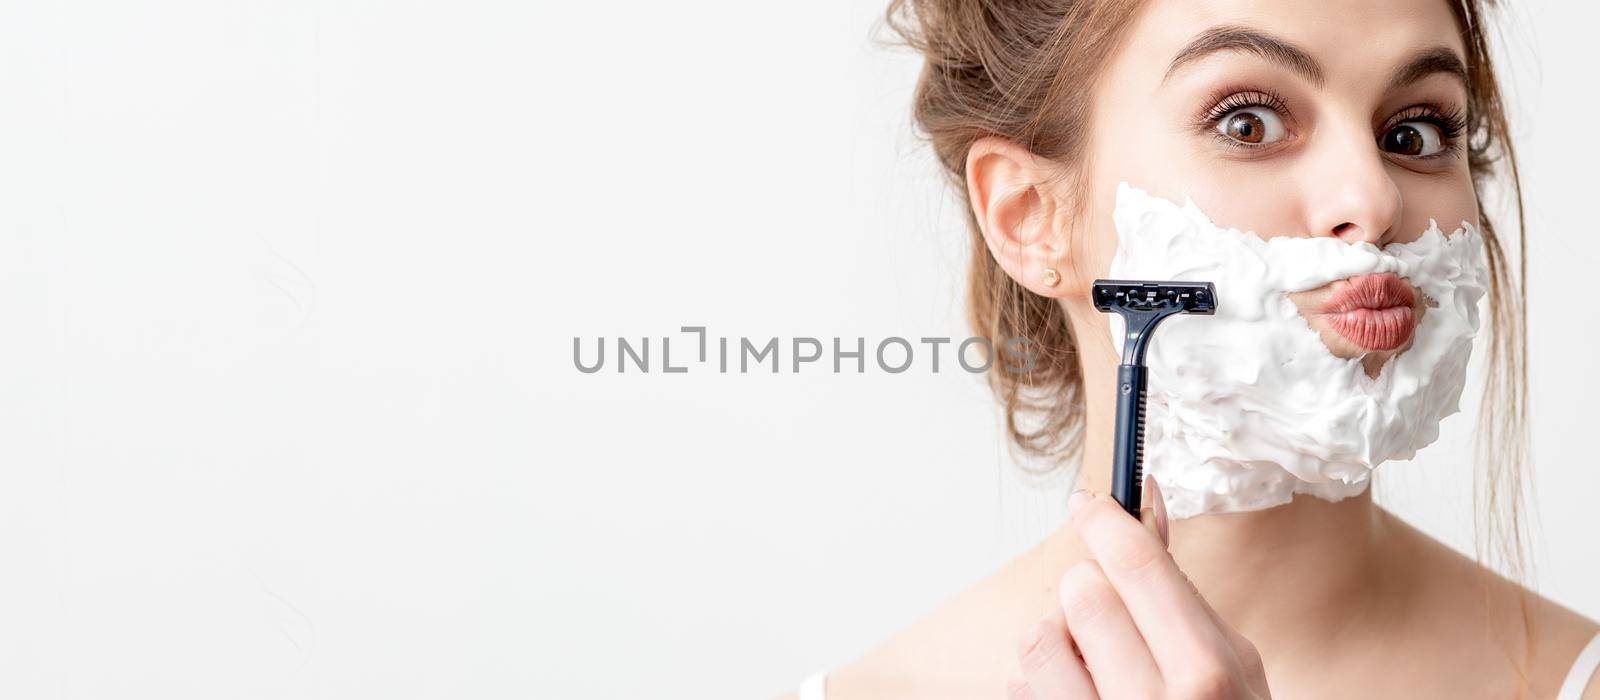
point(1051, 277)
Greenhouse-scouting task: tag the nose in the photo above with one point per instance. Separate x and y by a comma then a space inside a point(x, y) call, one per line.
point(1351, 195)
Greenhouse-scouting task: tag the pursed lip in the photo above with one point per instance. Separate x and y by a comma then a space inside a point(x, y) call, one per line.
point(1373, 311)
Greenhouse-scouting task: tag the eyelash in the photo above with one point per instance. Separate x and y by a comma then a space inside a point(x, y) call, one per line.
point(1228, 100)
point(1449, 121)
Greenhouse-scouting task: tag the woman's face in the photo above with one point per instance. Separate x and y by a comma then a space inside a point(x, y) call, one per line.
point(1287, 118)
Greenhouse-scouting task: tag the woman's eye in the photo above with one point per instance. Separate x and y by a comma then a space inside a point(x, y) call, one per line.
point(1414, 139)
point(1254, 126)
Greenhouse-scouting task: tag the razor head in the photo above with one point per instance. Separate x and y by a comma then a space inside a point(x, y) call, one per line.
point(1173, 297)
point(1143, 304)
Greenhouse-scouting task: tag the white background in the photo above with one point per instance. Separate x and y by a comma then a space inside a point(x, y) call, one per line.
point(290, 291)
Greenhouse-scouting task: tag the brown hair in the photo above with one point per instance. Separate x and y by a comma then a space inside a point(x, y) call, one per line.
point(1018, 70)
point(1025, 70)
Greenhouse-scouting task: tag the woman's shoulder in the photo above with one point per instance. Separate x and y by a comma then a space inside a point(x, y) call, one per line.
point(966, 646)
point(1547, 635)
point(1559, 635)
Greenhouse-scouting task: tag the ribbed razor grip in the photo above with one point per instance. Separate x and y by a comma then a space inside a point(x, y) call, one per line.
point(1127, 457)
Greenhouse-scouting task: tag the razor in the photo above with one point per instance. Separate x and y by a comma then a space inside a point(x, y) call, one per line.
point(1143, 306)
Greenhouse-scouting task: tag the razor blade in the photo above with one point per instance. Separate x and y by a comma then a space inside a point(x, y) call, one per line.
point(1144, 304)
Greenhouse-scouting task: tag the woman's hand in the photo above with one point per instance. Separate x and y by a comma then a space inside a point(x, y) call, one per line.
point(1131, 625)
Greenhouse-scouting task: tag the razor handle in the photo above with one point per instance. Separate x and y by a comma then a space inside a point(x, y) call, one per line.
point(1142, 305)
point(1127, 457)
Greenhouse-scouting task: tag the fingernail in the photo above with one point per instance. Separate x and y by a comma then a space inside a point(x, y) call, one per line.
point(1077, 499)
point(1159, 503)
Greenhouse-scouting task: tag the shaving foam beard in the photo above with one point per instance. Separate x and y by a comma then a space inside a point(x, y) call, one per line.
point(1248, 407)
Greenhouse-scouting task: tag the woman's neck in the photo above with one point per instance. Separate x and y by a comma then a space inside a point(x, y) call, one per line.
point(1277, 571)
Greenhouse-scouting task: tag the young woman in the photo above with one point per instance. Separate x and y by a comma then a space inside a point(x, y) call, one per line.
point(1358, 121)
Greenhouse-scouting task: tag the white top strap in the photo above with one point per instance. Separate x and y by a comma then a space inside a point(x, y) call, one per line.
point(815, 687)
point(1577, 678)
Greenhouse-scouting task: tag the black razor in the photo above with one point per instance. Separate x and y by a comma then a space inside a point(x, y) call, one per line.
point(1142, 306)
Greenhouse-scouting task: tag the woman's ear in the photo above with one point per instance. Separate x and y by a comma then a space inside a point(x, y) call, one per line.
point(1007, 186)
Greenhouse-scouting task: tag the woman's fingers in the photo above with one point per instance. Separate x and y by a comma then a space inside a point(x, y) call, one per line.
point(1017, 688)
point(1244, 652)
point(1164, 606)
point(1113, 650)
point(1051, 670)
point(1142, 628)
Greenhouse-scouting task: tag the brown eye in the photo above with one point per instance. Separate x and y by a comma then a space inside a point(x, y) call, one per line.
point(1252, 126)
point(1414, 138)
point(1246, 127)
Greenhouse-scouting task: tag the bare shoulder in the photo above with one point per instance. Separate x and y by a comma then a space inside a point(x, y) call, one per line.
point(1546, 635)
point(1555, 634)
point(1564, 632)
point(906, 663)
point(1559, 635)
point(966, 646)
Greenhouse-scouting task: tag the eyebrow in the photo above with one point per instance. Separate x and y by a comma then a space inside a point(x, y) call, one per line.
point(1230, 37)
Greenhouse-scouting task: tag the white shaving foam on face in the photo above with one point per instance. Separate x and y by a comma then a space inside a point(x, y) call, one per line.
point(1248, 407)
